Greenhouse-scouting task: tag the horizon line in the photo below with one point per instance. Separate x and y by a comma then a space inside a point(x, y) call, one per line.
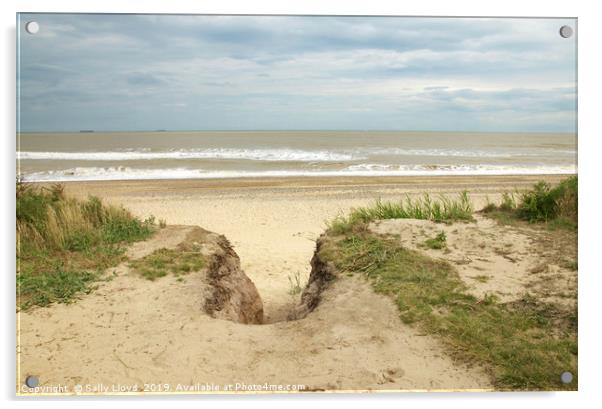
point(88, 131)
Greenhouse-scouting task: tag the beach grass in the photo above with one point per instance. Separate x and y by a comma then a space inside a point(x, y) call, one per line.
point(438, 242)
point(164, 261)
point(441, 209)
point(481, 278)
point(295, 286)
point(557, 206)
point(524, 345)
point(65, 244)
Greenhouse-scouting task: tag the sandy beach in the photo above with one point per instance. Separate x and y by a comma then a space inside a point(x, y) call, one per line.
point(273, 222)
point(135, 331)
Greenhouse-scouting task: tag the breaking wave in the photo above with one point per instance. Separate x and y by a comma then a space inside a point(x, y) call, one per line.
point(283, 154)
point(127, 173)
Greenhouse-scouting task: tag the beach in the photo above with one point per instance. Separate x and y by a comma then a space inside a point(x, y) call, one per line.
point(141, 335)
point(273, 222)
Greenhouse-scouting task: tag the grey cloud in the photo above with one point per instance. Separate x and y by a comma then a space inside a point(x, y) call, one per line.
point(195, 72)
point(138, 78)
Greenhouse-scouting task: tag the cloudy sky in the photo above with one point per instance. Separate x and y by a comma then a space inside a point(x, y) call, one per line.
point(143, 72)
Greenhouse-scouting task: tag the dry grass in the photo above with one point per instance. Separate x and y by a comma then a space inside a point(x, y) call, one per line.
point(63, 244)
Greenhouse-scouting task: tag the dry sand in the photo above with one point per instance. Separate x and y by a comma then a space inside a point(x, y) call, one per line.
point(272, 223)
point(135, 331)
point(132, 331)
point(504, 261)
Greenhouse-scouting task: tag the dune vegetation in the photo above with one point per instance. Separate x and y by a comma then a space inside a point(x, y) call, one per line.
point(441, 209)
point(64, 245)
point(556, 207)
point(181, 260)
point(525, 344)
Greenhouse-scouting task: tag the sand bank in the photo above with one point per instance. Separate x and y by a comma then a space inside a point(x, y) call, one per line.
point(136, 331)
point(273, 222)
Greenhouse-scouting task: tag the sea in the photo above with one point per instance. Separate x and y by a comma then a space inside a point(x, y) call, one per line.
point(81, 156)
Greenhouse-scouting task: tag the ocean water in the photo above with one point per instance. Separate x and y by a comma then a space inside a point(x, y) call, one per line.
point(227, 154)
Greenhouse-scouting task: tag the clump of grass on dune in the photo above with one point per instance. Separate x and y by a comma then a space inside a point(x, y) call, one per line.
point(442, 209)
point(64, 244)
point(544, 203)
point(438, 242)
point(555, 206)
point(295, 286)
point(524, 345)
point(163, 261)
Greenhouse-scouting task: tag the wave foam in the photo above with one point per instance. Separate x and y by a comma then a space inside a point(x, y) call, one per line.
point(284, 154)
point(274, 155)
point(472, 153)
point(127, 173)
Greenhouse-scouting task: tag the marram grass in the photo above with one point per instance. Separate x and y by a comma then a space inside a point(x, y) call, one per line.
point(524, 345)
point(441, 209)
point(64, 244)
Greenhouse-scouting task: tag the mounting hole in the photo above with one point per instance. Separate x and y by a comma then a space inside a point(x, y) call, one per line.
point(566, 31)
point(32, 381)
point(32, 27)
point(566, 377)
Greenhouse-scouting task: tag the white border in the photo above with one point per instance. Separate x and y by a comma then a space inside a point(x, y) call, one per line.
point(590, 198)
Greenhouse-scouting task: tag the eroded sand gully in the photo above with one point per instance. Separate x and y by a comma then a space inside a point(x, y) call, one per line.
point(273, 223)
point(272, 230)
point(134, 331)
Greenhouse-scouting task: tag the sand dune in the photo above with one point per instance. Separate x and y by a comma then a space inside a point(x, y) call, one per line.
point(134, 335)
point(273, 223)
point(135, 331)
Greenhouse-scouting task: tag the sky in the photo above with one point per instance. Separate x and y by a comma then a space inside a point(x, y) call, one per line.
point(178, 72)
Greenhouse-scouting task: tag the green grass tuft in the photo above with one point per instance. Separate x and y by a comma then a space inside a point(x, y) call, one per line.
point(481, 278)
point(164, 261)
point(544, 203)
point(442, 209)
point(55, 286)
point(295, 286)
point(438, 242)
point(64, 244)
point(508, 201)
point(555, 206)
